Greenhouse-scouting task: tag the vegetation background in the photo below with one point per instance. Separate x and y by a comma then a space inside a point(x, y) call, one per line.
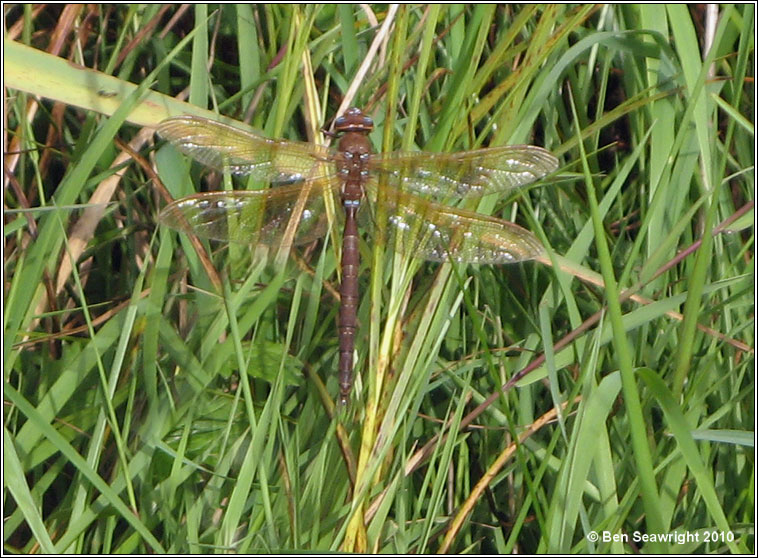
point(165, 396)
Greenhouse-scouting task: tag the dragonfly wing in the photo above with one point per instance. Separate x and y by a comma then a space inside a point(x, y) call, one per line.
point(226, 148)
point(467, 173)
point(437, 232)
point(255, 216)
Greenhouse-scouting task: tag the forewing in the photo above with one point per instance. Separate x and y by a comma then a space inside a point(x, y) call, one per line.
point(425, 229)
point(226, 148)
point(466, 173)
point(254, 217)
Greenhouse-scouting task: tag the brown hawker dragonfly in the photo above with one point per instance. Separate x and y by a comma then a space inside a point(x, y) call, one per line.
point(307, 174)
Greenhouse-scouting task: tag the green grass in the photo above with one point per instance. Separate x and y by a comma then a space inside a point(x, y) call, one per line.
point(162, 395)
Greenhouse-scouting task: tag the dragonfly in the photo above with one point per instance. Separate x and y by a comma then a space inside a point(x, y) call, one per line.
point(413, 189)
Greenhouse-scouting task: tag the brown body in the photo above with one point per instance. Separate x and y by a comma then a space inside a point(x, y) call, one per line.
point(354, 149)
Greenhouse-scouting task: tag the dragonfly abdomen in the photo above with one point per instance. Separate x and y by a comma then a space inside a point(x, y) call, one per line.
point(348, 315)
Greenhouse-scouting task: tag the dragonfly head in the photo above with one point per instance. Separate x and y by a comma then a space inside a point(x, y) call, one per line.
point(353, 120)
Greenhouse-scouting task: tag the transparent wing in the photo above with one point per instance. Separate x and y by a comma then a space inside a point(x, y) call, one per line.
point(226, 148)
point(467, 173)
point(416, 226)
point(419, 227)
point(436, 232)
point(256, 216)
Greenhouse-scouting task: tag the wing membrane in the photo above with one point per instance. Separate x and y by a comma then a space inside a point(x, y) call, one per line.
point(467, 173)
point(436, 232)
point(255, 216)
point(417, 226)
point(226, 148)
